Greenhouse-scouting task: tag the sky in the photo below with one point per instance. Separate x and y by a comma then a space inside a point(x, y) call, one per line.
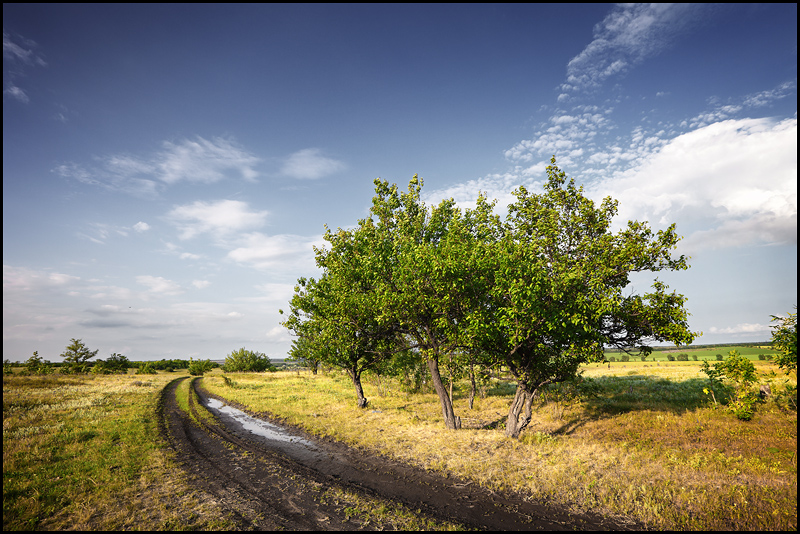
point(168, 169)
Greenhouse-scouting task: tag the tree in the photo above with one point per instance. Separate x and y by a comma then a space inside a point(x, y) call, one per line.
point(302, 352)
point(556, 296)
point(337, 318)
point(784, 340)
point(433, 275)
point(76, 357)
point(244, 360)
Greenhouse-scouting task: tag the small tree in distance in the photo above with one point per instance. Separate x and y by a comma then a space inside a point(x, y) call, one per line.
point(76, 357)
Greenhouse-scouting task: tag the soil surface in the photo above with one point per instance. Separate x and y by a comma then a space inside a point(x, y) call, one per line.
point(269, 484)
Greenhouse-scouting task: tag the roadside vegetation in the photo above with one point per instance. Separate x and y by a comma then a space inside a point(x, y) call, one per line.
point(636, 440)
point(84, 452)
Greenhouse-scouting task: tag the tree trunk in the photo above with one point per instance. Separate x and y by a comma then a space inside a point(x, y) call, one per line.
point(472, 383)
point(362, 400)
point(450, 420)
point(523, 399)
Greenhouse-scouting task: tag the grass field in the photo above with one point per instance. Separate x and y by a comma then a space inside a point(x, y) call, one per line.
point(648, 446)
point(84, 452)
point(709, 354)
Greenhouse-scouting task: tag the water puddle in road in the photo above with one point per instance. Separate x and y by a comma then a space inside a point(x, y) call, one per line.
point(258, 426)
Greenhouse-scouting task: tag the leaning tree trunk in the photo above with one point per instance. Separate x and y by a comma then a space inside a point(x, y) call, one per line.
point(356, 377)
point(522, 400)
point(450, 420)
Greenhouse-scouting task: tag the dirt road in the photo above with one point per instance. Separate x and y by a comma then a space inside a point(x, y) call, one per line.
point(269, 483)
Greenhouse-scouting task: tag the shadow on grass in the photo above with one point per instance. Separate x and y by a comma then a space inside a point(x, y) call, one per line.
point(615, 395)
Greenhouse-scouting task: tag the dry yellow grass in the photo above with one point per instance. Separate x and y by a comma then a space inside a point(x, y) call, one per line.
point(677, 464)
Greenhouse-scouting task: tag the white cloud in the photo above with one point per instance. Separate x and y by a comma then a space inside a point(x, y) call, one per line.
point(310, 164)
point(740, 176)
point(23, 53)
point(626, 37)
point(196, 161)
point(743, 328)
point(141, 226)
point(16, 93)
point(18, 56)
point(201, 284)
point(218, 218)
point(204, 161)
point(158, 285)
point(290, 252)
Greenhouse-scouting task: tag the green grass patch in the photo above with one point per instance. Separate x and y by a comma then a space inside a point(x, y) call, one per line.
point(85, 452)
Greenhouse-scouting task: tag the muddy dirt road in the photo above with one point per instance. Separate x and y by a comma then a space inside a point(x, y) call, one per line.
point(279, 478)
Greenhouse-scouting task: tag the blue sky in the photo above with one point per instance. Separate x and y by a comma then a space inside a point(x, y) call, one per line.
point(167, 169)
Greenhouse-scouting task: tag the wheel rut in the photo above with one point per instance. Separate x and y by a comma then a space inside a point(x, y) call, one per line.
point(281, 484)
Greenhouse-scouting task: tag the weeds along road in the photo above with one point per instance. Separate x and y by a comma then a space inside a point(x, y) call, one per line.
point(330, 486)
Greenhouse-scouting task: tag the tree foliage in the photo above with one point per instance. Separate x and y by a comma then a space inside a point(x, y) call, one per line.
point(784, 340)
point(540, 293)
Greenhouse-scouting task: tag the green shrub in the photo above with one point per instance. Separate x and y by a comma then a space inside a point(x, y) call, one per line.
point(694, 357)
point(115, 364)
point(670, 357)
point(625, 358)
point(719, 357)
point(199, 367)
point(761, 357)
point(683, 357)
point(247, 361)
point(37, 366)
point(146, 369)
point(738, 374)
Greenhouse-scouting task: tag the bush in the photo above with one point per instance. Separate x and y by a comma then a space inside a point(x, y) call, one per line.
point(625, 358)
point(761, 357)
point(719, 357)
point(115, 364)
point(146, 369)
point(740, 374)
point(683, 357)
point(694, 357)
point(199, 367)
point(248, 361)
point(37, 366)
point(670, 357)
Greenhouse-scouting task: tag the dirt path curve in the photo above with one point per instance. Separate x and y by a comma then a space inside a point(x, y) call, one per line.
point(268, 484)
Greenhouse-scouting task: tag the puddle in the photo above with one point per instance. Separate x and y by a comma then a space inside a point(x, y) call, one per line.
point(258, 426)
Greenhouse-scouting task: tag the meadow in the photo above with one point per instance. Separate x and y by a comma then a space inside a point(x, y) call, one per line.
point(644, 444)
point(85, 452)
point(638, 441)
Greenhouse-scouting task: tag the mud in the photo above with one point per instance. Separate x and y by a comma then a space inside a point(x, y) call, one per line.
point(270, 475)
